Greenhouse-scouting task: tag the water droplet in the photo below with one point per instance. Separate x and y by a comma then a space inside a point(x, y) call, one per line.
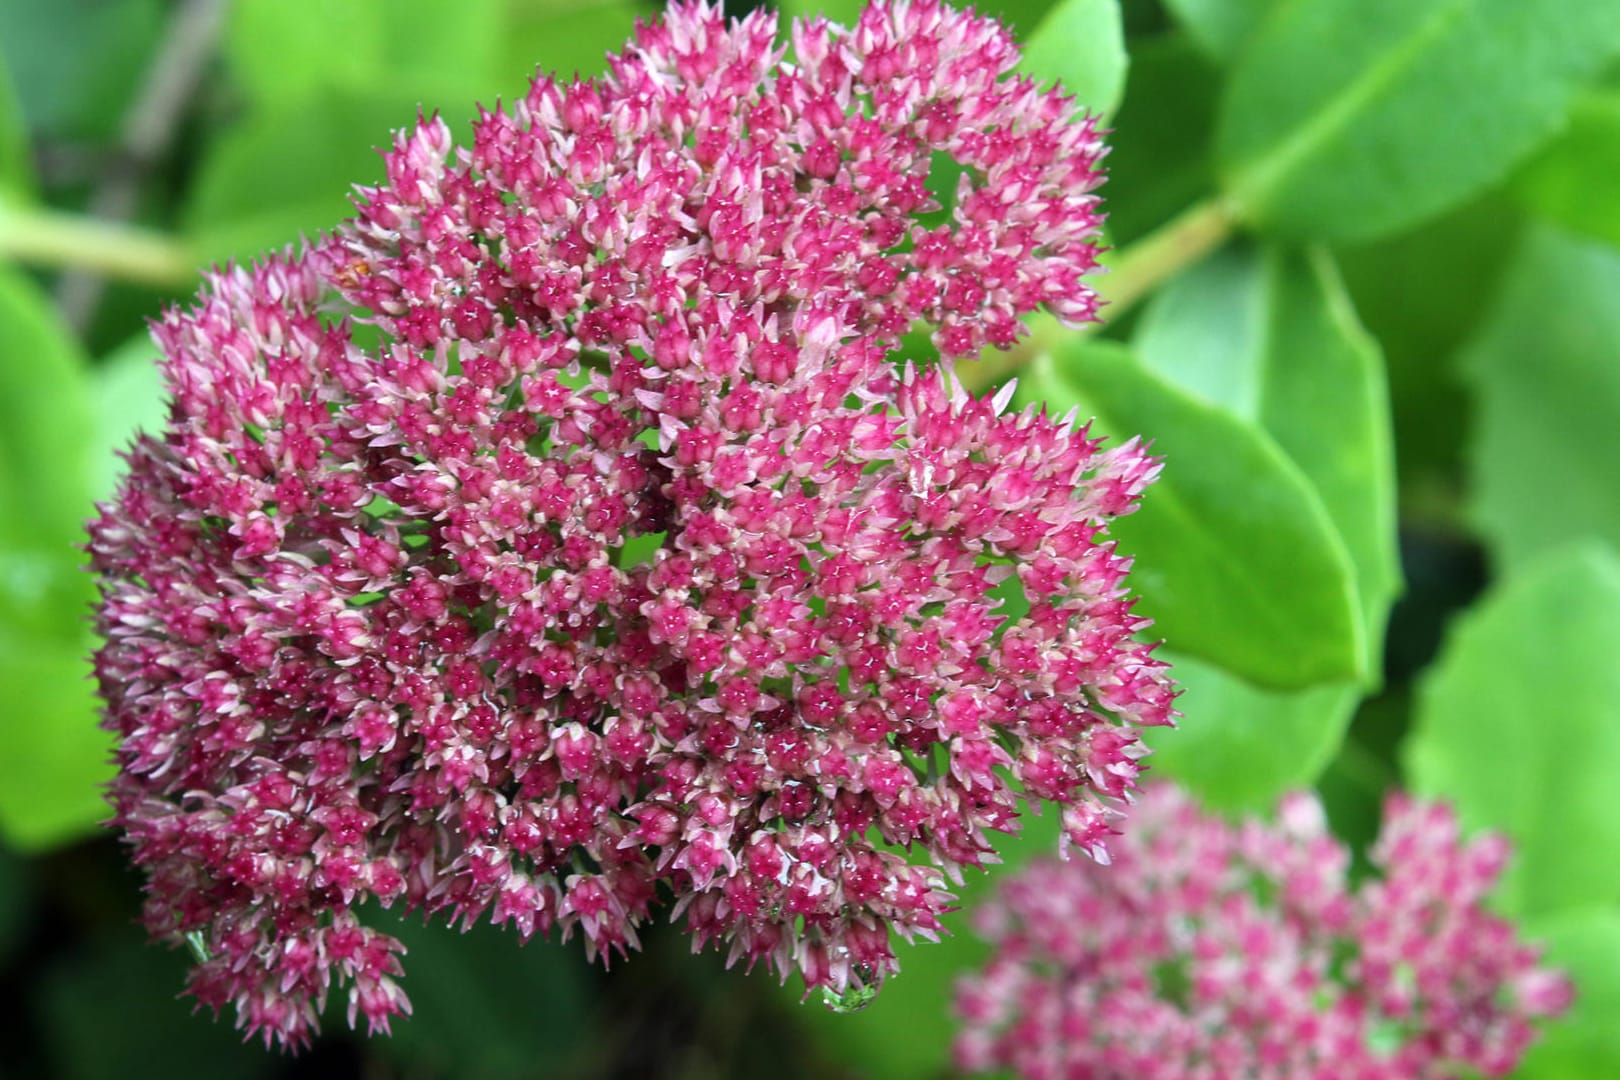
point(864, 984)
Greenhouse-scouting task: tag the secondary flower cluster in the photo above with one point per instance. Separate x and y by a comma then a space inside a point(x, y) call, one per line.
point(1211, 949)
point(561, 534)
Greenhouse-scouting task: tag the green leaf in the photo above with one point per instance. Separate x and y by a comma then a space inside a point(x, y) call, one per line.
point(1586, 1041)
point(289, 54)
point(1546, 375)
point(1221, 27)
point(44, 498)
point(127, 396)
point(16, 166)
point(1572, 183)
point(76, 64)
point(1238, 746)
point(1236, 558)
point(1519, 724)
point(1081, 43)
point(843, 12)
point(1162, 137)
point(1352, 118)
point(278, 176)
point(1269, 336)
point(53, 757)
point(1422, 294)
point(572, 41)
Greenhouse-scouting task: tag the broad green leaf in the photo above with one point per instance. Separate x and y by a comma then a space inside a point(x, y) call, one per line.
point(1160, 161)
point(127, 396)
point(1519, 724)
point(1221, 27)
point(16, 168)
point(1422, 294)
point(1239, 747)
point(44, 498)
point(288, 54)
point(280, 176)
point(1572, 183)
point(53, 757)
point(77, 64)
point(1585, 1042)
point(1081, 43)
point(1237, 560)
point(568, 40)
point(843, 12)
point(1353, 118)
point(1269, 336)
point(1546, 376)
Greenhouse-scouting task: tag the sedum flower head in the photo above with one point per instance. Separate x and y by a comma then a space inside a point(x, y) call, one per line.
point(559, 539)
point(1211, 950)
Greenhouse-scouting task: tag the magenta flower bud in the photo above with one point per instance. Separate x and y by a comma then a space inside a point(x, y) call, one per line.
point(623, 568)
point(1217, 949)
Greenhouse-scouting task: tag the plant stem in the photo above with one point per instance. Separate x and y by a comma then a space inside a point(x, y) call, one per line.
point(53, 238)
point(1137, 271)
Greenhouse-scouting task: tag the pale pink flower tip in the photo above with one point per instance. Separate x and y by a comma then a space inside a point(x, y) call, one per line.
point(1212, 949)
point(621, 565)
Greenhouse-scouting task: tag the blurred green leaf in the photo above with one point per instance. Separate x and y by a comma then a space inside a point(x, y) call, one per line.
point(1269, 336)
point(486, 1006)
point(128, 397)
point(76, 64)
point(1519, 724)
point(290, 54)
point(110, 1010)
point(44, 458)
point(1238, 746)
point(1586, 1041)
point(1160, 161)
point(1573, 183)
point(1081, 43)
point(1546, 375)
point(278, 176)
point(1236, 558)
point(1221, 27)
point(843, 12)
point(1354, 118)
point(1422, 294)
point(569, 40)
point(53, 757)
point(16, 166)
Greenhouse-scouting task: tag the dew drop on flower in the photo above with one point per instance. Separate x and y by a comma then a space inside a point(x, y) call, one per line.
point(864, 985)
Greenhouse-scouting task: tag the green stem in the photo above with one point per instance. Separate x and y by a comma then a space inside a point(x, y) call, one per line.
point(1137, 271)
point(55, 239)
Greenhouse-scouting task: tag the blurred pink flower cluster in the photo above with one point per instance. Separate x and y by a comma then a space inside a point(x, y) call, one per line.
point(1214, 950)
point(560, 537)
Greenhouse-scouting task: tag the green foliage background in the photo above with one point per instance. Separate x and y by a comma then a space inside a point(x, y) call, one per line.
point(1376, 245)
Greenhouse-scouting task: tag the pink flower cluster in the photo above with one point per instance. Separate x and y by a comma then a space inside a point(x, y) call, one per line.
point(1210, 949)
point(561, 538)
